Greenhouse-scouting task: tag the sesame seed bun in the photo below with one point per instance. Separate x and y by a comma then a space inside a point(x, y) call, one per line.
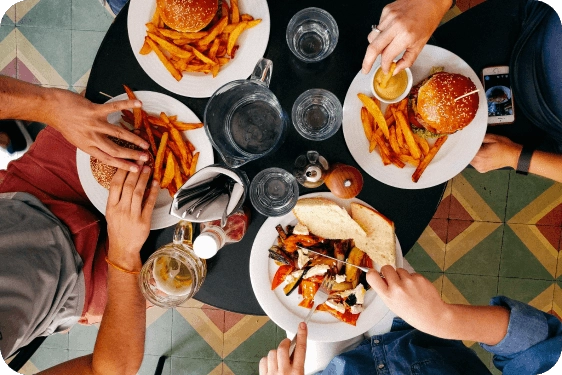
point(432, 103)
point(187, 15)
point(103, 173)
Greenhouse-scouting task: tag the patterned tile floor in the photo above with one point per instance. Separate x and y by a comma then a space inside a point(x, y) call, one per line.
point(493, 233)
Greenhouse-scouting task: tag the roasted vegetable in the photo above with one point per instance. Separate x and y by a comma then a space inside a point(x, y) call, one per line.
point(340, 287)
point(278, 254)
point(352, 273)
point(281, 231)
point(280, 275)
point(288, 289)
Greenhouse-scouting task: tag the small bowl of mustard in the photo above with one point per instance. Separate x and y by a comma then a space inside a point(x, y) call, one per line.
point(398, 86)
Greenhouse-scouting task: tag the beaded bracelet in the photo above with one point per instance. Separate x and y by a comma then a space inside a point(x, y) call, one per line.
point(119, 268)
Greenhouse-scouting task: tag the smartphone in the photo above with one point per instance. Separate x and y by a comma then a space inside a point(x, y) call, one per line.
point(499, 96)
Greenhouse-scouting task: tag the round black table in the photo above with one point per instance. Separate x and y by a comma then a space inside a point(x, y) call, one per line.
point(228, 280)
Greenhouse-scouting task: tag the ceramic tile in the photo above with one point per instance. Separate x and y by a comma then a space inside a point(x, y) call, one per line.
point(56, 341)
point(82, 337)
point(9, 17)
point(537, 293)
point(159, 335)
point(85, 46)
point(242, 368)
point(527, 253)
point(193, 366)
point(77, 353)
point(45, 358)
point(193, 336)
point(257, 345)
point(557, 300)
point(55, 14)
point(8, 51)
point(442, 211)
point(90, 15)
point(150, 363)
point(469, 289)
point(428, 253)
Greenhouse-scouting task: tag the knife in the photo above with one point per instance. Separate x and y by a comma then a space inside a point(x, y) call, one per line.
point(364, 269)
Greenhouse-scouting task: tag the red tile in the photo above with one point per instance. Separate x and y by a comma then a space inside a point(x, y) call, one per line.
point(442, 211)
point(474, 3)
point(25, 74)
point(10, 69)
point(552, 234)
point(216, 316)
point(554, 217)
point(457, 211)
point(230, 319)
point(456, 227)
point(439, 226)
point(463, 5)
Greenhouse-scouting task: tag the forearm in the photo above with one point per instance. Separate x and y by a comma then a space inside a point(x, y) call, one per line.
point(547, 165)
point(119, 346)
point(24, 101)
point(484, 324)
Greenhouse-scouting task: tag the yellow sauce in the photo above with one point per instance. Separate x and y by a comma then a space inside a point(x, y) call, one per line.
point(396, 85)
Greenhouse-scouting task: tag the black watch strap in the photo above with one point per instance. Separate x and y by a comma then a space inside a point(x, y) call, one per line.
point(524, 162)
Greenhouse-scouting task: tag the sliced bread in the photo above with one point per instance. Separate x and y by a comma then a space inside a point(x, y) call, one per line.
point(380, 242)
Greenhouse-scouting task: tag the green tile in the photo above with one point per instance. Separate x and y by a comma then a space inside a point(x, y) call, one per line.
point(491, 186)
point(280, 335)
point(82, 337)
point(421, 261)
point(5, 30)
point(243, 368)
point(46, 13)
point(56, 341)
point(6, 21)
point(150, 362)
point(431, 276)
point(45, 358)
point(186, 342)
point(518, 261)
point(524, 290)
point(159, 335)
point(482, 259)
point(257, 346)
point(54, 45)
point(193, 366)
point(77, 353)
point(8, 51)
point(90, 15)
point(523, 190)
point(478, 290)
point(85, 46)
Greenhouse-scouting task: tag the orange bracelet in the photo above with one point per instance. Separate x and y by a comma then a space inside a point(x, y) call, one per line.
point(119, 268)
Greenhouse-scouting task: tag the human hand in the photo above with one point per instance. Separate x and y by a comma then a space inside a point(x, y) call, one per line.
point(128, 221)
point(496, 152)
point(84, 124)
point(410, 296)
point(405, 25)
point(278, 361)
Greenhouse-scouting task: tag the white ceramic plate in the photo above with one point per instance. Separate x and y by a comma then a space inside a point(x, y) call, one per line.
point(457, 152)
point(284, 310)
point(154, 103)
point(252, 42)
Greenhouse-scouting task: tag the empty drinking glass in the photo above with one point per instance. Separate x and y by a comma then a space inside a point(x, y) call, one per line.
point(312, 34)
point(317, 114)
point(274, 192)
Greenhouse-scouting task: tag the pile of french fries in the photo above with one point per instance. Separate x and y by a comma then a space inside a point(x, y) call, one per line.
point(203, 51)
point(391, 134)
point(175, 158)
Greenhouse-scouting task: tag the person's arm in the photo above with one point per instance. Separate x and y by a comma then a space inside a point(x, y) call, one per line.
point(416, 300)
point(278, 362)
point(119, 347)
point(405, 25)
point(499, 152)
point(81, 122)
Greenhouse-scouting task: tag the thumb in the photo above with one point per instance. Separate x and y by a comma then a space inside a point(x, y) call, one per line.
point(121, 105)
point(377, 282)
point(300, 349)
point(493, 138)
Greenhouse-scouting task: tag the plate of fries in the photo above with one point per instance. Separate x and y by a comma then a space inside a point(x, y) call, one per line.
point(178, 143)
point(197, 64)
point(409, 161)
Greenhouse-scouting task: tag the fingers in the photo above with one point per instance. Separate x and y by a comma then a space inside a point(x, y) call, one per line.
point(283, 360)
point(263, 366)
point(119, 132)
point(151, 200)
point(300, 349)
point(407, 59)
point(114, 150)
point(129, 187)
point(492, 138)
point(378, 284)
point(138, 193)
point(116, 186)
point(272, 361)
point(372, 35)
point(110, 160)
point(120, 105)
point(390, 275)
point(402, 273)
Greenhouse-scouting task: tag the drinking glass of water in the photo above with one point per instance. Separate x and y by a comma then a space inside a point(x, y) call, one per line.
point(274, 192)
point(312, 34)
point(317, 114)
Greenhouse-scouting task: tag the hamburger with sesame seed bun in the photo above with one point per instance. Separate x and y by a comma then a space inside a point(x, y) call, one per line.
point(187, 15)
point(103, 173)
point(432, 109)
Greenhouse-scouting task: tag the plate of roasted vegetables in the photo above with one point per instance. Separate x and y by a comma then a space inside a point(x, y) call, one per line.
point(285, 277)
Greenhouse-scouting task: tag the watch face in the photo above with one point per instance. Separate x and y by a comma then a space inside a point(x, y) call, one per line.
point(524, 162)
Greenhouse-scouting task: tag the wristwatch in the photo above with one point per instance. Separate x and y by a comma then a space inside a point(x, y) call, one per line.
point(524, 162)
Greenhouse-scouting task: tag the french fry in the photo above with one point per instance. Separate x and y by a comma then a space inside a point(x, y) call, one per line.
point(203, 58)
point(145, 50)
point(402, 105)
point(400, 136)
point(424, 146)
point(160, 157)
point(426, 160)
point(149, 133)
point(215, 30)
point(183, 126)
point(178, 140)
point(193, 166)
point(177, 154)
point(156, 121)
point(252, 23)
point(190, 146)
point(367, 126)
point(407, 133)
point(234, 11)
point(173, 34)
point(233, 37)
point(177, 173)
point(156, 17)
point(383, 82)
point(172, 190)
point(165, 119)
point(246, 17)
point(170, 47)
point(214, 48)
point(375, 111)
point(137, 114)
point(392, 140)
point(169, 171)
point(215, 70)
point(408, 159)
point(173, 71)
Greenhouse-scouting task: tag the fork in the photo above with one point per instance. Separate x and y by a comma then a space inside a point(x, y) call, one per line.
point(320, 297)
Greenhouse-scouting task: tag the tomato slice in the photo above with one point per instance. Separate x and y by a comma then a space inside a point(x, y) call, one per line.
point(280, 275)
point(307, 303)
point(346, 317)
point(309, 289)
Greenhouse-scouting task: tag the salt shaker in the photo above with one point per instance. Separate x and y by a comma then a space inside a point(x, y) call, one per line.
point(311, 169)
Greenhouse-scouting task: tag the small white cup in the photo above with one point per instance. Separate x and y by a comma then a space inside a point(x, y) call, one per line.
point(399, 98)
